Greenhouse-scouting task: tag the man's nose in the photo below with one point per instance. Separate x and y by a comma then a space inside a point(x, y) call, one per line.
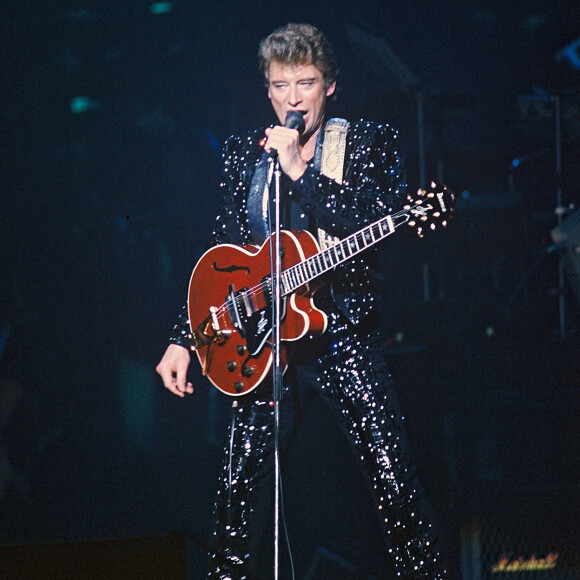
point(295, 96)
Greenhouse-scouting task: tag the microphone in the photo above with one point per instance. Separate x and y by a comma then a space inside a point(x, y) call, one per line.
point(294, 120)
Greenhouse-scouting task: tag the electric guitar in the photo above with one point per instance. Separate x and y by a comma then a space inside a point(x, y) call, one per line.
point(230, 292)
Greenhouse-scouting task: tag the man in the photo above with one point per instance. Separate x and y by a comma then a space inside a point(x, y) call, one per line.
point(345, 366)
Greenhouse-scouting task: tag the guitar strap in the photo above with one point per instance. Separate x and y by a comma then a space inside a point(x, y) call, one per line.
point(332, 164)
point(258, 201)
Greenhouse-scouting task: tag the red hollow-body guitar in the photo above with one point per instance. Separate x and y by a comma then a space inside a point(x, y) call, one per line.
point(230, 292)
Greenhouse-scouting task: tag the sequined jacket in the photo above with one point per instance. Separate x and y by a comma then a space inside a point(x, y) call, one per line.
point(373, 186)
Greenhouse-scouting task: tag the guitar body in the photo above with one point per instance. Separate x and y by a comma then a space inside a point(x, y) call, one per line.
point(230, 311)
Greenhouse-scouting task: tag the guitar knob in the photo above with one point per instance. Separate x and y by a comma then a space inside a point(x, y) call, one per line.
point(247, 371)
point(232, 364)
point(238, 386)
point(241, 349)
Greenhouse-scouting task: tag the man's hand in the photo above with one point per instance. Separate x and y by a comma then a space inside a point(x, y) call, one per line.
point(286, 142)
point(173, 370)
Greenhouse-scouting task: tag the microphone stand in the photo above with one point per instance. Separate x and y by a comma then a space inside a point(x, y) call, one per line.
point(276, 269)
point(294, 120)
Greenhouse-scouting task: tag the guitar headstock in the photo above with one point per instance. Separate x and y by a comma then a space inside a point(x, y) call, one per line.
point(430, 208)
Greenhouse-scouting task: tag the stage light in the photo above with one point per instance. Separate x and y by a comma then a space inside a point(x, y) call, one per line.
point(82, 104)
point(571, 53)
point(161, 7)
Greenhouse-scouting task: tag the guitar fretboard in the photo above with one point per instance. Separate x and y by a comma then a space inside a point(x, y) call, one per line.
point(336, 254)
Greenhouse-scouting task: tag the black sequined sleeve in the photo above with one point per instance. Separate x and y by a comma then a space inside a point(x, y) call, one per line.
point(240, 156)
point(373, 184)
point(181, 333)
point(231, 222)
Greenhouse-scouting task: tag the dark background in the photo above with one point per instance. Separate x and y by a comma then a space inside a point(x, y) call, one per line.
point(112, 119)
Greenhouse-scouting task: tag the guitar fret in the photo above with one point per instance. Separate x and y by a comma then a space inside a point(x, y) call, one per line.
point(295, 275)
point(316, 265)
point(321, 262)
point(327, 260)
point(389, 224)
point(301, 277)
point(369, 236)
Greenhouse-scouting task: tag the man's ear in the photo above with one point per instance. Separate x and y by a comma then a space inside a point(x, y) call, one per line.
point(331, 88)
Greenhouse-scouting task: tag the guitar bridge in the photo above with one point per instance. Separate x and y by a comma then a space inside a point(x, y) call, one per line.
point(202, 335)
point(209, 331)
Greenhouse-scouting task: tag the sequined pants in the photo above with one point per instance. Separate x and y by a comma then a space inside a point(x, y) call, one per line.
point(358, 387)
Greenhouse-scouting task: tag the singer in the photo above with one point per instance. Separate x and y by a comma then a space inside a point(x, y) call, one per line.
point(336, 178)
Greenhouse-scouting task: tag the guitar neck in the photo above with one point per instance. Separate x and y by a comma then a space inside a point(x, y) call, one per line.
point(341, 252)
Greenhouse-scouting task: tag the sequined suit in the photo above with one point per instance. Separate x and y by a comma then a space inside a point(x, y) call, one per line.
point(345, 365)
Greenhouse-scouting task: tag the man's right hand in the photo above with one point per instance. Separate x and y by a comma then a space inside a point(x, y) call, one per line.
point(173, 370)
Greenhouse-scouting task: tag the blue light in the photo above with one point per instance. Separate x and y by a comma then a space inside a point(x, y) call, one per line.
point(571, 53)
point(80, 105)
point(4, 339)
point(161, 7)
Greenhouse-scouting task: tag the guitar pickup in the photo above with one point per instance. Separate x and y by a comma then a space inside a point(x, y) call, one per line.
point(233, 311)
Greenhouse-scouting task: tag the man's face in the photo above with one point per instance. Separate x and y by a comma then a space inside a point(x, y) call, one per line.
point(298, 88)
